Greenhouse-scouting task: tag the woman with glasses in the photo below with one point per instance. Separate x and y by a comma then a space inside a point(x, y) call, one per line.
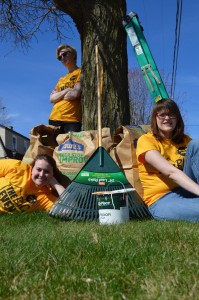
point(66, 96)
point(168, 162)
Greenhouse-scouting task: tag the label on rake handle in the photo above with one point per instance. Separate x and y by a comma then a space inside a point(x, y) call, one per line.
point(100, 179)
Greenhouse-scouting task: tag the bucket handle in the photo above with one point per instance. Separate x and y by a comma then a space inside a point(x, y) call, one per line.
point(111, 194)
point(114, 182)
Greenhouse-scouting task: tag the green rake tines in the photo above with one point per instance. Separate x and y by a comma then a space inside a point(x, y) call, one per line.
point(100, 173)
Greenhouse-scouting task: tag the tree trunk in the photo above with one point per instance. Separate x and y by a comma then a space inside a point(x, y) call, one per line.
point(102, 20)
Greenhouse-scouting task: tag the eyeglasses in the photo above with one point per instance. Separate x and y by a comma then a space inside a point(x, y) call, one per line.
point(162, 116)
point(64, 54)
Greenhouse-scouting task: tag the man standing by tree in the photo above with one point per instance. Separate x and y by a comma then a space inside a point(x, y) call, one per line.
point(66, 97)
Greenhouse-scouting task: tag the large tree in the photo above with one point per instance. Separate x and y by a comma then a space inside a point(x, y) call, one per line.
point(96, 20)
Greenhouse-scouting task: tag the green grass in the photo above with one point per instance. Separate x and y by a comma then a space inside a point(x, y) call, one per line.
point(45, 258)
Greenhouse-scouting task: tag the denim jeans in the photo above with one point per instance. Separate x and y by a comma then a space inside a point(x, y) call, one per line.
point(66, 126)
point(180, 204)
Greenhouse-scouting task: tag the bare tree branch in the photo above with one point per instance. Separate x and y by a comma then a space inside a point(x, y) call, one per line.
point(141, 103)
point(140, 100)
point(4, 119)
point(21, 20)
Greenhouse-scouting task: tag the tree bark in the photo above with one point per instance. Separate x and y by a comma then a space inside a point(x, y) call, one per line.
point(101, 21)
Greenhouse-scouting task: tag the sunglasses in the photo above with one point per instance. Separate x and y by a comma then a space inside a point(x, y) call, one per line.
point(64, 54)
point(162, 116)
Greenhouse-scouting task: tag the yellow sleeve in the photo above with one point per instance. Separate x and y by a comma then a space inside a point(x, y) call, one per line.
point(79, 76)
point(44, 202)
point(146, 143)
point(8, 166)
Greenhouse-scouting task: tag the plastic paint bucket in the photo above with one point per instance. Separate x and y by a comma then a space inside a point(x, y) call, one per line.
point(113, 206)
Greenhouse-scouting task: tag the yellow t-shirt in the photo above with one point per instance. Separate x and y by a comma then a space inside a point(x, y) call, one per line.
point(156, 185)
point(66, 110)
point(18, 193)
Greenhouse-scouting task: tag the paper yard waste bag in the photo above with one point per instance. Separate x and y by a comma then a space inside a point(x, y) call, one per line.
point(42, 141)
point(75, 148)
point(123, 152)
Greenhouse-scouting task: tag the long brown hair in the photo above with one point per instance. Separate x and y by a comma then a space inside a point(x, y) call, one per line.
point(169, 106)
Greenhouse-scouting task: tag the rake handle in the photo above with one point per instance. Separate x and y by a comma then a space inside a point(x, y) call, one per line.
point(99, 96)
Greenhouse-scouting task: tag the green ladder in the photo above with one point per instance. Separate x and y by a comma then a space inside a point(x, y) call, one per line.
point(149, 69)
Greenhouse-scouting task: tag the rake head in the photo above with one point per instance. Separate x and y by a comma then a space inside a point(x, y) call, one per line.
point(100, 173)
point(78, 203)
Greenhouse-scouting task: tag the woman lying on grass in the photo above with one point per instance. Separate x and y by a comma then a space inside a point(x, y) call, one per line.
point(25, 188)
point(169, 178)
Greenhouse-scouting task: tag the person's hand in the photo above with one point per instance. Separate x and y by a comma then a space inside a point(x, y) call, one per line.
point(53, 181)
point(56, 185)
point(54, 91)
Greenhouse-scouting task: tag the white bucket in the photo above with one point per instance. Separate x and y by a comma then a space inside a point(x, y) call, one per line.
point(113, 206)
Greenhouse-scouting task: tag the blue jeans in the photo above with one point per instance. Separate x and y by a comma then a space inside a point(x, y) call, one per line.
point(180, 204)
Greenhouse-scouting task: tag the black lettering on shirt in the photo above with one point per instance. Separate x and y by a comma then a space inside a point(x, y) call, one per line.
point(11, 199)
point(69, 84)
point(182, 150)
point(179, 163)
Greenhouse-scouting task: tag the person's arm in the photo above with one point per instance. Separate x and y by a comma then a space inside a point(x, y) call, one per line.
point(155, 159)
point(67, 94)
point(73, 93)
point(56, 96)
point(56, 185)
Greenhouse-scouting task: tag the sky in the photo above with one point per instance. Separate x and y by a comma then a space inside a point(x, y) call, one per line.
point(27, 79)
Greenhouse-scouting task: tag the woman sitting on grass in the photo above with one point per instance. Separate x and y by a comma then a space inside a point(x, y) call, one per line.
point(169, 178)
point(28, 188)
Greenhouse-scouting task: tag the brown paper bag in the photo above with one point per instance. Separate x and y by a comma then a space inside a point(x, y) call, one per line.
point(42, 141)
point(75, 148)
point(123, 152)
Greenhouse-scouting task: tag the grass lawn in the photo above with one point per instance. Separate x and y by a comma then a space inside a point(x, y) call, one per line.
point(45, 258)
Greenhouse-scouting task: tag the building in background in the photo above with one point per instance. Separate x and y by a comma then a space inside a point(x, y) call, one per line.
point(12, 143)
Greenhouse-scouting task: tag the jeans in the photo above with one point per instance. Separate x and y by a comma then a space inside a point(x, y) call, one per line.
point(71, 126)
point(180, 204)
point(66, 126)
